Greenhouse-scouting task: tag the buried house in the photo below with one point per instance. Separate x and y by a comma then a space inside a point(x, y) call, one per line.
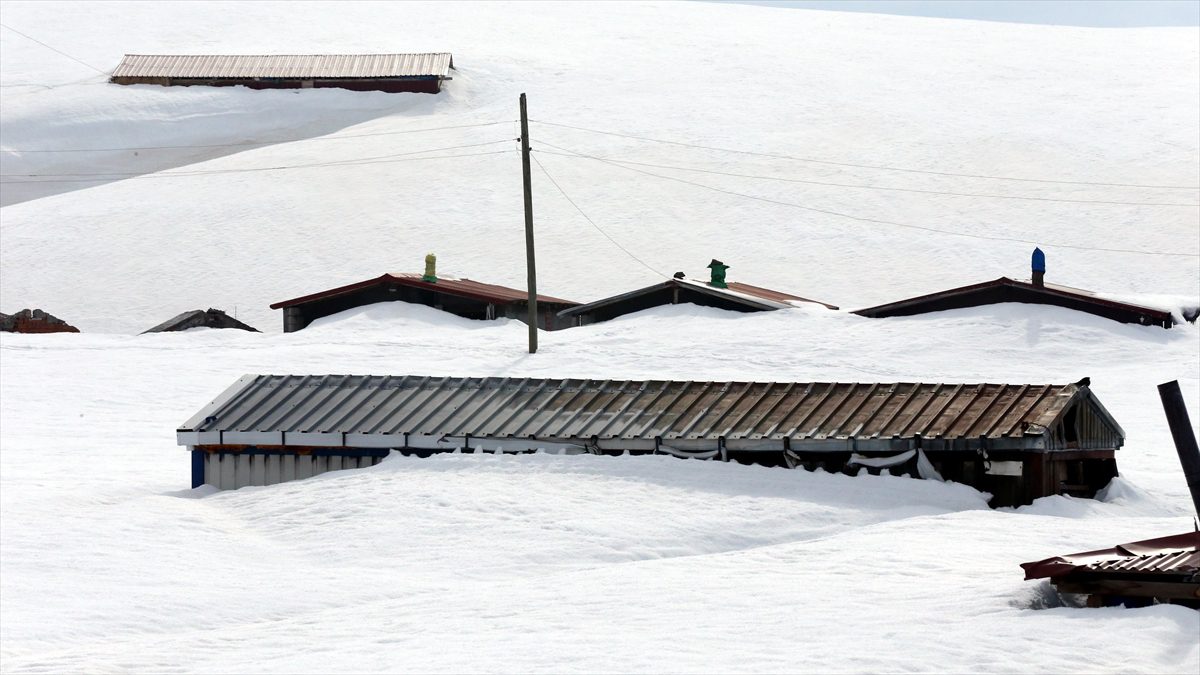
point(1017, 442)
point(1034, 291)
point(200, 318)
point(716, 292)
point(358, 72)
point(463, 297)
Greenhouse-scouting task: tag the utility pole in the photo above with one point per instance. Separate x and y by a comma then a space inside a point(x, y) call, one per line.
point(529, 263)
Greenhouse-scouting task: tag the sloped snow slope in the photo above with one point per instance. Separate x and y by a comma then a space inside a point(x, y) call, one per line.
point(1036, 102)
point(546, 563)
point(579, 564)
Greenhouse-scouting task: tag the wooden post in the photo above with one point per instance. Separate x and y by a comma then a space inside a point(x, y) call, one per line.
point(1185, 439)
point(530, 267)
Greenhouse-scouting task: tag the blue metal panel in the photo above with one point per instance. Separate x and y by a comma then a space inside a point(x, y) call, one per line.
point(198, 468)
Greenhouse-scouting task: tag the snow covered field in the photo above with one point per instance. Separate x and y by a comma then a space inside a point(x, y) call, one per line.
point(551, 563)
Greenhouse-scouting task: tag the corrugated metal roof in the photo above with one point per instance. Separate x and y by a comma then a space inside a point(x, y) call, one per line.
point(573, 409)
point(1174, 555)
point(449, 285)
point(1048, 291)
point(223, 66)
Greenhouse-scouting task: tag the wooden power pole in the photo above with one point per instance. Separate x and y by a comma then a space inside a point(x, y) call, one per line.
point(530, 267)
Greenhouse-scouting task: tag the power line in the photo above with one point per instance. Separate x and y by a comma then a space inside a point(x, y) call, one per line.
point(895, 189)
point(880, 167)
point(201, 172)
point(870, 220)
point(593, 223)
point(256, 143)
point(57, 51)
point(266, 168)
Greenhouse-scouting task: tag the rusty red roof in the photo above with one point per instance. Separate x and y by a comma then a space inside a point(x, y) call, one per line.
point(768, 294)
point(1174, 555)
point(449, 285)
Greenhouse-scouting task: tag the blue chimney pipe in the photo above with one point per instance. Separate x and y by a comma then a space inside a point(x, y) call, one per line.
point(1039, 267)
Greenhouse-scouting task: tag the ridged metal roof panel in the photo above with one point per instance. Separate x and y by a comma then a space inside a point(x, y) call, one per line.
point(444, 284)
point(1176, 555)
point(556, 409)
point(286, 66)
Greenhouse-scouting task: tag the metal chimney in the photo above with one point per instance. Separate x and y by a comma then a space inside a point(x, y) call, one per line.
point(430, 268)
point(718, 273)
point(1039, 268)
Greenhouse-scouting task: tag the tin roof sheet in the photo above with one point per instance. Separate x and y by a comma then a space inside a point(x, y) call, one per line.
point(563, 409)
point(445, 284)
point(1046, 290)
point(226, 66)
point(753, 297)
point(1174, 555)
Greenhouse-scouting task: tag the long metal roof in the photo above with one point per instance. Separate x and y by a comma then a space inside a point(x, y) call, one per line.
point(385, 411)
point(445, 284)
point(223, 66)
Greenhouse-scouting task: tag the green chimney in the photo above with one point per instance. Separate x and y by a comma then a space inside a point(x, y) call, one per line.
point(718, 273)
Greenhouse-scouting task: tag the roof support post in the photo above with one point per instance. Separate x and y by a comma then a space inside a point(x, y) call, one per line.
point(1184, 437)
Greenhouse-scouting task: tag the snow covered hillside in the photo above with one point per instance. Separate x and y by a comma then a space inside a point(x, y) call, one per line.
point(579, 564)
point(1015, 101)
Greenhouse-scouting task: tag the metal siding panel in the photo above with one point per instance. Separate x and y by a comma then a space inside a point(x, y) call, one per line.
point(228, 472)
point(258, 469)
point(274, 473)
point(287, 468)
point(304, 467)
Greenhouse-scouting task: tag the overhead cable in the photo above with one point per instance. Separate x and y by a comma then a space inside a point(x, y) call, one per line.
point(56, 51)
point(880, 167)
point(868, 220)
point(592, 222)
point(896, 189)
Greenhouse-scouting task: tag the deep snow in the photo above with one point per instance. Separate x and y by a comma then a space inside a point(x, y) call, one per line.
point(553, 563)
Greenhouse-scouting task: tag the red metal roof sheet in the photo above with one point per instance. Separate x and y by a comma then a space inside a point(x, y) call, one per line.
point(1047, 289)
point(1176, 554)
point(768, 294)
point(449, 285)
